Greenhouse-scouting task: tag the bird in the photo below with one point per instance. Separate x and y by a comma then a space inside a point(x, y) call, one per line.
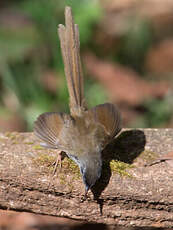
point(83, 133)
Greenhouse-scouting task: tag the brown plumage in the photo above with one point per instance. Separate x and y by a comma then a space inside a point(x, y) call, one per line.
point(84, 133)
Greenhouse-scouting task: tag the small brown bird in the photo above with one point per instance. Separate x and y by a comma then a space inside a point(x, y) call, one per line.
point(83, 133)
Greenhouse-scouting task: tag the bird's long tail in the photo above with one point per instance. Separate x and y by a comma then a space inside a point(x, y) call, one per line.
point(70, 48)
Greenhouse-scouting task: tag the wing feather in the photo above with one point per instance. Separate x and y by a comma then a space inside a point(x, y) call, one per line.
point(109, 117)
point(48, 127)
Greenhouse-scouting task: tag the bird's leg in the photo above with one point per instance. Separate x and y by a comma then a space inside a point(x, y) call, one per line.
point(58, 160)
point(86, 193)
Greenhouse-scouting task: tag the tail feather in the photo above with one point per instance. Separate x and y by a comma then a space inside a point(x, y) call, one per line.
point(70, 46)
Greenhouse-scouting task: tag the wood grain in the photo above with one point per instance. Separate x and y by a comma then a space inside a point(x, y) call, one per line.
point(142, 196)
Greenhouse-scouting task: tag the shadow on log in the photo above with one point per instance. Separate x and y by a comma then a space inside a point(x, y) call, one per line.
point(125, 148)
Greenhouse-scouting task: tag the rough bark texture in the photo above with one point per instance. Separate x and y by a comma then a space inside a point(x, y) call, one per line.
point(124, 195)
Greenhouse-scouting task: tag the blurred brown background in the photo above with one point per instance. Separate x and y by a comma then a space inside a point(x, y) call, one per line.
point(126, 49)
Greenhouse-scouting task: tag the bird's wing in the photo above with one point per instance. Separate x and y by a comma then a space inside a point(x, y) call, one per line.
point(109, 117)
point(48, 127)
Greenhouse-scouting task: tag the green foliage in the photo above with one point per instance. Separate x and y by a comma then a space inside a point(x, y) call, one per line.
point(86, 14)
point(14, 44)
point(136, 43)
point(28, 51)
point(94, 93)
point(159, 111)
point(31, 48)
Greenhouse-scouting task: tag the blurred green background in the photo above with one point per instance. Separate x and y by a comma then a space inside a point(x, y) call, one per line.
point(127, 54)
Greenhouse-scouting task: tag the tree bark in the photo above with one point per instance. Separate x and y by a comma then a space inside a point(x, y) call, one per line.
point(128, 193)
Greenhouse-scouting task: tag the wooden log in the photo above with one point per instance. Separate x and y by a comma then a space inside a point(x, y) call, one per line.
point(128, 193)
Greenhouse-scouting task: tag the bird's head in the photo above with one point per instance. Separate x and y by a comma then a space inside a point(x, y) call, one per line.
point(90, 168)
